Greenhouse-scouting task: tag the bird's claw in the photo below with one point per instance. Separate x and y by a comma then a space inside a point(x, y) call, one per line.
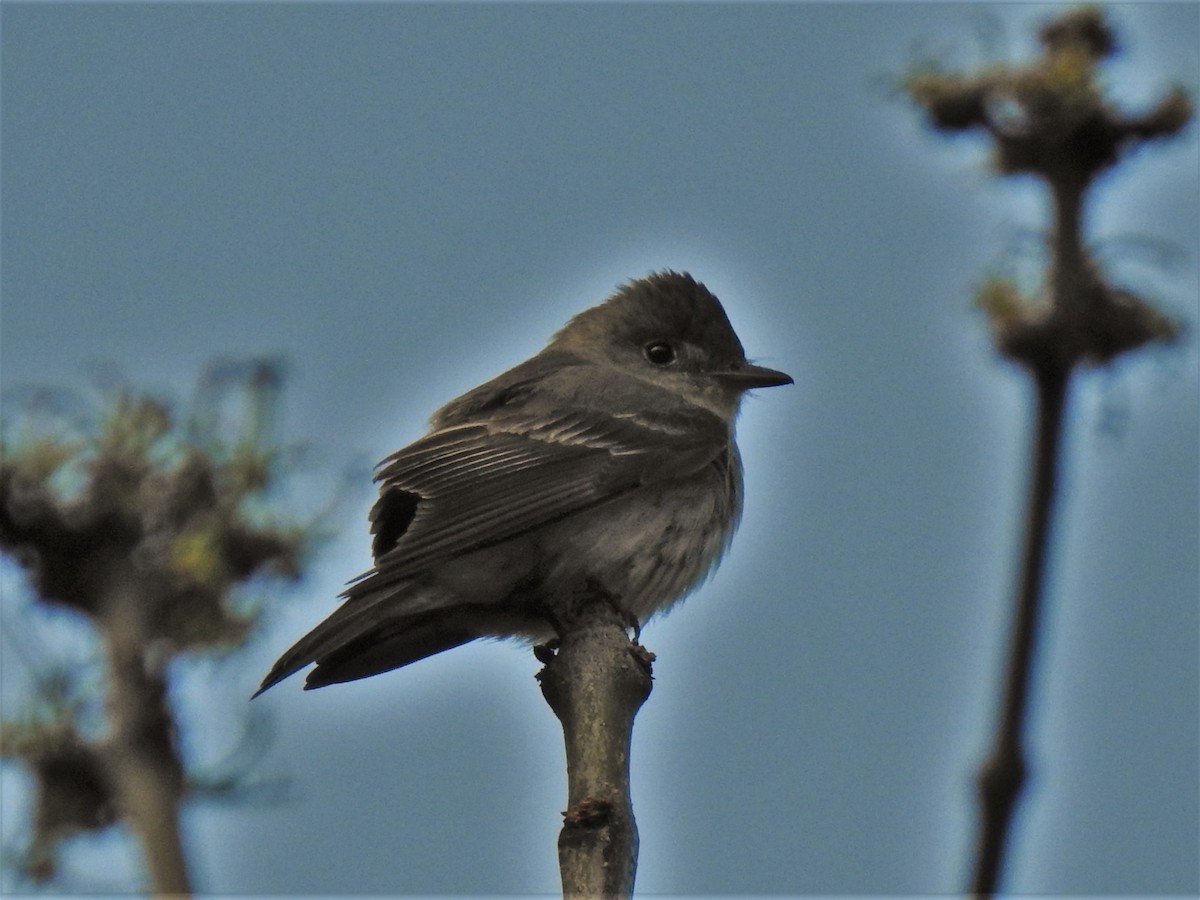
point(544, 653)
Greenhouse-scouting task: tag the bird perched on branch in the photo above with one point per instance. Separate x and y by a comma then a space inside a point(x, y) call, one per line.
point(608, 458)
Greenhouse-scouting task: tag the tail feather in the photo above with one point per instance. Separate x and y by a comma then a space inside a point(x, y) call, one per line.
point(390, 646)
point(348, 621)
point(366, 638)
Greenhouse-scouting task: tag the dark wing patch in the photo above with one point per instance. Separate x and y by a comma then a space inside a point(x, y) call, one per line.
point(467, 486)
point(390, 518)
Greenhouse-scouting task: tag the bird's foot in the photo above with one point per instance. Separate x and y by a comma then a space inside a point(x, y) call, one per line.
point(546, 652)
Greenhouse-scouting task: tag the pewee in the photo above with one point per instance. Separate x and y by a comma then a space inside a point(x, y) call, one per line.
point(606, 459)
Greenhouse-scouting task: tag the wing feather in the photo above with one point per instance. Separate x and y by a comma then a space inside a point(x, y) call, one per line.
point(481, 482)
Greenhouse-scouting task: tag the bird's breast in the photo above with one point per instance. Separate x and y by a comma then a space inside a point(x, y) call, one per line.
point(652, 545)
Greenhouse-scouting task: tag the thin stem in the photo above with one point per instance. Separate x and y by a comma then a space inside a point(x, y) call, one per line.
point(1003, 774)
point(1070, 273)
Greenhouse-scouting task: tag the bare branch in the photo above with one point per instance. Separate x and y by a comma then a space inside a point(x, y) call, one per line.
point(596, 683)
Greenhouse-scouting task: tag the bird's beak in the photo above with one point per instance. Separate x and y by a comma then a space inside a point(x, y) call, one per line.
point(748, 376)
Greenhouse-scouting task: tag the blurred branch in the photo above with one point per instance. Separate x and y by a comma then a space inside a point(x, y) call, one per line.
point(1048, 119)
point(1003, 774)
point(142, 754)
point(596, 682)
point(146, 528)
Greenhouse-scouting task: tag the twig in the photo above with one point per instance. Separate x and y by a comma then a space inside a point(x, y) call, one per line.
point(1003, 774)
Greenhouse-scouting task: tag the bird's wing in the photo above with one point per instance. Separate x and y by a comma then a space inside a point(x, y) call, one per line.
point(470, 485)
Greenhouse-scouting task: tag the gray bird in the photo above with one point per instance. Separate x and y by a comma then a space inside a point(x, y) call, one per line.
point(608, 458)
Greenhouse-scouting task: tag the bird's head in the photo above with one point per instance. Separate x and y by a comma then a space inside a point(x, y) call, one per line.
point(669, 329)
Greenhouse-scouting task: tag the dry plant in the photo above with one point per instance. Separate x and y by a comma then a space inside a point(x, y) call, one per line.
point(150, 526)
point(1049, 119)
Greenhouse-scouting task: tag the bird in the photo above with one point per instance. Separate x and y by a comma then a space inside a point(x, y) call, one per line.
point(607, 459)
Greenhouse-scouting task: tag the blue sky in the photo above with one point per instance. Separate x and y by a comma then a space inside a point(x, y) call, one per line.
point(403, 200)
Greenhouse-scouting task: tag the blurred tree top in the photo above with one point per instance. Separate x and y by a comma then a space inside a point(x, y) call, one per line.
point(146, 523)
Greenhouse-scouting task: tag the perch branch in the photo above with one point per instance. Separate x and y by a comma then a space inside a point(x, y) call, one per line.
point(596, 683)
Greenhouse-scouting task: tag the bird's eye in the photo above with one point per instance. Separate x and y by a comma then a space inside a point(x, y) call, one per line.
point(659, 352)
